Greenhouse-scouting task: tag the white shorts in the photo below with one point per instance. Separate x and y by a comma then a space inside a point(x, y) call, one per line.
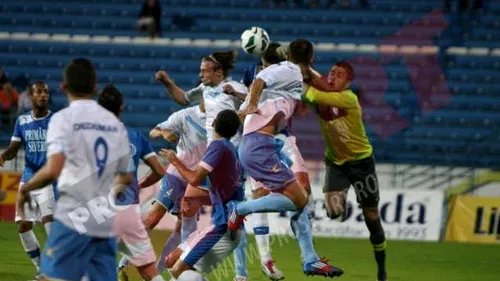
point(42, 203)
point(133, 238)
point(267, 111)
point(291, 150)
point(217, 254)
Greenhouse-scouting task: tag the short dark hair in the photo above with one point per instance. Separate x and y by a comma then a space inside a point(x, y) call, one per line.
point(348, 67)
point(111, 99)
point(39, 82)
point(274, 53)
point(301, 51)
point(80, 77)
point(223, 60)
point(227, 123)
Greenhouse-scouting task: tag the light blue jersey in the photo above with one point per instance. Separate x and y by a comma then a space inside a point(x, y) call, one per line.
point(32, 132)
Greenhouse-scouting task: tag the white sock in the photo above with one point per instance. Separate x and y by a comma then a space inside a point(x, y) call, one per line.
point(189, 225)
point(31, 247)
point(158, 278)
point(48, 226)
point(261, 231)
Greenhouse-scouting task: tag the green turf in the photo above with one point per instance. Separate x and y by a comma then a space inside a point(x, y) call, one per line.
point(407, 261)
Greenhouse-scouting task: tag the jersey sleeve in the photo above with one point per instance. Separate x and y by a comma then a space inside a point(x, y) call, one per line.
point(194, 95)
point(173, 123)
point(125, 162)
point(17, 136)
point(268, 75)
point(57, 135)
point(345, 99)
point(213, 156)
point(147, 148)
point(239, 87)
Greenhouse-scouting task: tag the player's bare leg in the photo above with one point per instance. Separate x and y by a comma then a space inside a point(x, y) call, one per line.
point(47, 222)
point(192, 201)
point(262, 238)
point(335, 202)
point(173, 241)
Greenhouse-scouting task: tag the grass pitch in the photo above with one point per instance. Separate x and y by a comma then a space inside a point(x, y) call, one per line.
point(406, 261)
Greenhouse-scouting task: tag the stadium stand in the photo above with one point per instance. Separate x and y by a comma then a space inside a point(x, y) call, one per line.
point(457, 124)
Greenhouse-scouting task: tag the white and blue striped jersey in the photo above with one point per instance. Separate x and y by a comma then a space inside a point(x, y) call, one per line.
point(189, 126)
point(216, 101)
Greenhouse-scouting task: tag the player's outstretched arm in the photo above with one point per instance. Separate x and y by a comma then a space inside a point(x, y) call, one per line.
point(336, 99)
point(157, 172)
point(194, 178)
point(253, 101)
point(315, 79)
point(229, 90)
point(168, 135)
point(177, 94)
point(11, 152)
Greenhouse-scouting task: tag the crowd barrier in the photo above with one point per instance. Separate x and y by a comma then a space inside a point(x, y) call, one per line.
point(406, 214)
point(473, 219)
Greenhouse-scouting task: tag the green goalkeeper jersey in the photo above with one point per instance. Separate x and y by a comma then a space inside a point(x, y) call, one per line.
point(341, 124)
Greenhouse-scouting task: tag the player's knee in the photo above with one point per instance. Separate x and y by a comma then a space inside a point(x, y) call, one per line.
point(371, 214)
point(152, 219)
point(172, 258)
point(334, 204)
point(258, 193)
point(24, 226)
point(190, 207)
point(304, 181)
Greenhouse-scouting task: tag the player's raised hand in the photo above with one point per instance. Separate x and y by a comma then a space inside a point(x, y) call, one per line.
point(228, 89)
point(169, 154)
point(163, 77)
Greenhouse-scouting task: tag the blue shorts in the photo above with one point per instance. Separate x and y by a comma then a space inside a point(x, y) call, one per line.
point(172, 190)
point(68, 255)
point(263, 160)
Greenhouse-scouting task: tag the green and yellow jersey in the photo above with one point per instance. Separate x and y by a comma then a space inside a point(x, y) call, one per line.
point(341, 124)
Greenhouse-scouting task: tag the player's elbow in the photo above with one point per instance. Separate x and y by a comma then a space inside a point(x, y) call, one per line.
point(156, 132)
point(194, 181)
point(124, 179)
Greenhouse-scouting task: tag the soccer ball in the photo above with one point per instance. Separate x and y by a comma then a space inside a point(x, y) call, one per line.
point(254, 41)
point(191, 275)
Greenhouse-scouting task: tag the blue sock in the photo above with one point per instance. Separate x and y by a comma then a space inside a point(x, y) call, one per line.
point(273, 202)
point(123, 262)
point(240, 259)
point(301, 229)
point(188, 226)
